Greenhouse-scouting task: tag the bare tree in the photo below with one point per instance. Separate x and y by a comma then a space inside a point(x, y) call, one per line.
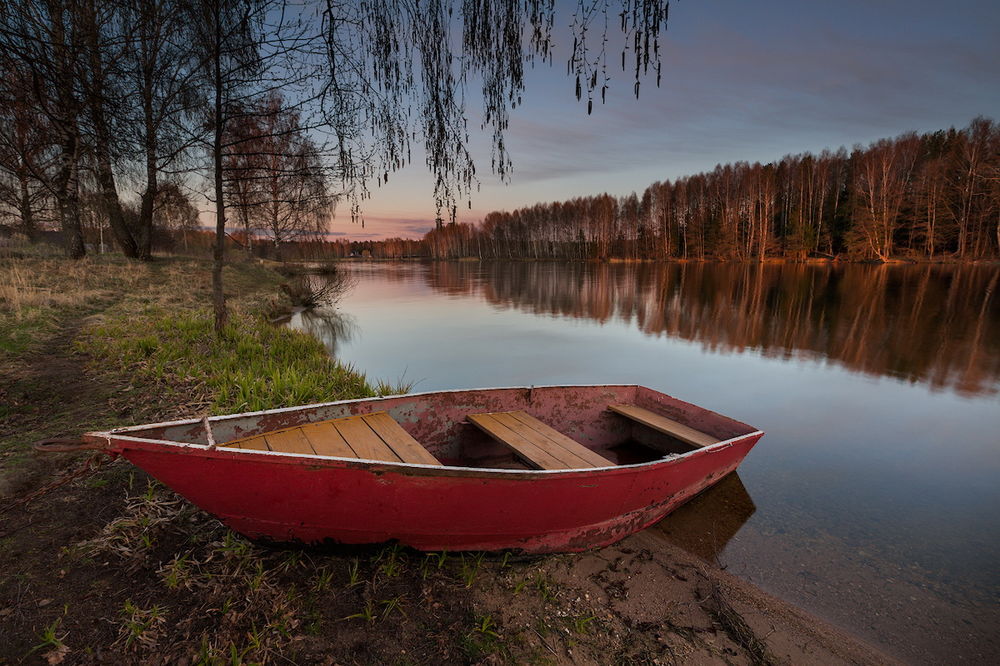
point(103, 47)
point(971, 161)
point(227, 40)
point(26, 154)
point(161, 75)
point(44, 40)
point(275, 176)
point(882, 176)
point(175, 211)
point(907, 193)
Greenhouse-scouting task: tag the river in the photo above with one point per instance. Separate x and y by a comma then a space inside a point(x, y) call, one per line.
point(873, 500)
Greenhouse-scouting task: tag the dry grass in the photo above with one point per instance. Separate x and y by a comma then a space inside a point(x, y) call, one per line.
point(27, 283)
point(39, 293)
point(134, 533)
point(231, 597)
point(149, 326)
point(52, 283)
point(16, 293)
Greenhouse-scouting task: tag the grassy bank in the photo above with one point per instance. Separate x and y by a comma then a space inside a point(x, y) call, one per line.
point(252, 365)
point(148, 329)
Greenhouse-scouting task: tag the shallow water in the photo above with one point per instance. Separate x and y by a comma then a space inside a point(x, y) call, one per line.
point(872, 501)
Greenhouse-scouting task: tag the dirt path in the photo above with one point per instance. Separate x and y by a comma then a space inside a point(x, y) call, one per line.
point(48, 394)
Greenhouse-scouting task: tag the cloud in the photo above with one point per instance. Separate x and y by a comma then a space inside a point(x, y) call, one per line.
point(758, 85)
point(741, 81)
point(380, 227)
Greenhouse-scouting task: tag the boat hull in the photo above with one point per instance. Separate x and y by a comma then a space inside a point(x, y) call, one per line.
point(316, 500)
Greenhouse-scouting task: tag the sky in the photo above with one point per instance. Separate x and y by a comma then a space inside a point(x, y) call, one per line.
point(742, 81)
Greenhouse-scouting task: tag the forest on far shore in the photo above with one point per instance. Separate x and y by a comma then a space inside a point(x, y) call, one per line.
point(933, 196)
point(927, 196)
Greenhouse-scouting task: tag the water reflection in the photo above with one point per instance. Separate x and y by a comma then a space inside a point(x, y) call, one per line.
point(705, 525)
point(935, 324)
point(874, 501)
point(332, 327)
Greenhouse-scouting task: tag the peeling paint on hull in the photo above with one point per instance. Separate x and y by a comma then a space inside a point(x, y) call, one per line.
point(312, 499)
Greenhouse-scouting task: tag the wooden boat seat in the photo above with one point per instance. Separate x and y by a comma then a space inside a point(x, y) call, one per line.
point(664, 425)
point(537, 444)
point(374, 436)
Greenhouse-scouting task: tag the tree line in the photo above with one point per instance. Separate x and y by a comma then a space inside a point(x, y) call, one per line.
point(268, 110)
point(935, 195)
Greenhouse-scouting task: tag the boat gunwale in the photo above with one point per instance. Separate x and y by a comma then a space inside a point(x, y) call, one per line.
point(436, 470)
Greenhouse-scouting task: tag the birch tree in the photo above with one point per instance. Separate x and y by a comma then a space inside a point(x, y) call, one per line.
point(274, 175)
point(44, 40)
point(881, 179)
point(26, 154)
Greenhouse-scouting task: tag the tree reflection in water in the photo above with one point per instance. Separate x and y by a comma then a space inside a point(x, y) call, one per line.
point(332, 327)
point(873, 501)
point(934, 324)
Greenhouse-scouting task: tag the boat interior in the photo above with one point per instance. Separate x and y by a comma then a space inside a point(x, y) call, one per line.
point(509, 439)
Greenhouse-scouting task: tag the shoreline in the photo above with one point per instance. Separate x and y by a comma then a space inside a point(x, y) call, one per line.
point(642, 600)
point(113, 565)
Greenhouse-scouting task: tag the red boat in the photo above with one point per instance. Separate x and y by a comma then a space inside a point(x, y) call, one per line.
point(541, 469)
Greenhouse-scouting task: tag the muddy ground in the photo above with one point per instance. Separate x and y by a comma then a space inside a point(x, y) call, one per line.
point(111, 568)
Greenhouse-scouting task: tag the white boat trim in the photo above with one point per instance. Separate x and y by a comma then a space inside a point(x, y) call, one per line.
point(714, 448)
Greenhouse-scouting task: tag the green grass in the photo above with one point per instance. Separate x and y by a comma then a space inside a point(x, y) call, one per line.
point(252, 365)
point(50, 638)
point(153, 330)
point(144, 333)
point(483, 641)
point(17, 335)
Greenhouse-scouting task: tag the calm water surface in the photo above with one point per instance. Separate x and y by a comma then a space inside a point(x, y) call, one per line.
point(874, 498)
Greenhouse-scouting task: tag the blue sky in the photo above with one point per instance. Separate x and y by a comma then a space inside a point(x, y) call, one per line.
point(742, 80)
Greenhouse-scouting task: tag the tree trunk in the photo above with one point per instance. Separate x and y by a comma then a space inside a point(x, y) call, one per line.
point(68, 194)
point(102, 139)
point(144, 234)
point(27, 214)
point(67, 185)
point(219, 251)
point(109, 193)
